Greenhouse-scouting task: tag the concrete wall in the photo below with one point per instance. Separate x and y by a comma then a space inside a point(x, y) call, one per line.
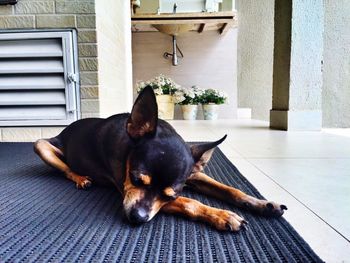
point(297, 67)
point(255, 56)
point(306, 56)
point(336, 66)
point(209, 62)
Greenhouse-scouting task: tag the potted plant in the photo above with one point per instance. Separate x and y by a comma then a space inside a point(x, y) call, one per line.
point(210, 99)
point(188, 99)
point(164, 89)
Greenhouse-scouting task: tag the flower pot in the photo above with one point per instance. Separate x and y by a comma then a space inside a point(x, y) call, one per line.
point(189, 111)
point(165, 107)
point(210, 111)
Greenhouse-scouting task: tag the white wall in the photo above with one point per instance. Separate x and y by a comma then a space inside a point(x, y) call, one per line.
point(209, 62)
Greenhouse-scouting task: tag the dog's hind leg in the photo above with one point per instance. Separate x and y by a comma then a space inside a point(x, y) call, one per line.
point(219, 218)
point(205, 184)
point(53, 156)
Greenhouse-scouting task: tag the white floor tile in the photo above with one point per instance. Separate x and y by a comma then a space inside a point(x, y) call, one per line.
point(307, 171)
point(323, 185)
point(326, 242)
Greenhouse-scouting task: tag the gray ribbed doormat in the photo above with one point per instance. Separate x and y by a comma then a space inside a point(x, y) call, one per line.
point(43, 218)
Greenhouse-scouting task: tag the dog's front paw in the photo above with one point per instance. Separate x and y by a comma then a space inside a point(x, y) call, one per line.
point(227, 220)
point(83, 182)
point(273, 209)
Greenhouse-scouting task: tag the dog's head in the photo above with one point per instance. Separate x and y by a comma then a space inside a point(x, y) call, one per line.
point(160, 162)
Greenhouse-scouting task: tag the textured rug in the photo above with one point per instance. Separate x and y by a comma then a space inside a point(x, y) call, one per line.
point(43, 218)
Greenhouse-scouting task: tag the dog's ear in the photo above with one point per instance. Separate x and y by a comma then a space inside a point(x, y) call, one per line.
point(202, 153)
point(144, 115)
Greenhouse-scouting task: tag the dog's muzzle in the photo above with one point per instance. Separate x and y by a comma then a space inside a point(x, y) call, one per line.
point(138, 215)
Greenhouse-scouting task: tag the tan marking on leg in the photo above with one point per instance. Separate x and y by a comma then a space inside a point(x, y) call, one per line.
point(50, 155)
point(204, 184)
point(219, 218)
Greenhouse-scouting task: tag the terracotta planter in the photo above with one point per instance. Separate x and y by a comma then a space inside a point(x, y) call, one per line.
point(210, 111)
point(189, 112)
point(165, 107)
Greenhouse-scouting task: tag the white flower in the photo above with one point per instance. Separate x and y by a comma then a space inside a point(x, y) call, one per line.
point(159, 84)
point(189, 93)
point(222, 94)
point(178, 97)
point(158, 91)
point(197, 91)
point(140, 85)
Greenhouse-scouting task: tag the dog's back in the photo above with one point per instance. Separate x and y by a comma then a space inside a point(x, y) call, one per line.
point(96, 147)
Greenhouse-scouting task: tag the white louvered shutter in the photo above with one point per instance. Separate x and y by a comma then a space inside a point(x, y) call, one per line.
point(38, 79)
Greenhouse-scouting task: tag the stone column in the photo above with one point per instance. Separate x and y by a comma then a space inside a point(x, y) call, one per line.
point(297, 69)
point(113, 25)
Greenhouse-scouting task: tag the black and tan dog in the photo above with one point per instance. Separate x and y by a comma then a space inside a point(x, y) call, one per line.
point(149, 163)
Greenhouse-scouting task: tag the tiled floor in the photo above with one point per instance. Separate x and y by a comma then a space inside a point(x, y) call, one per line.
point(307, 171)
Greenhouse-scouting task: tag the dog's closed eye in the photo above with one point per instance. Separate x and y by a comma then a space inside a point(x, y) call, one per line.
point(139, 179)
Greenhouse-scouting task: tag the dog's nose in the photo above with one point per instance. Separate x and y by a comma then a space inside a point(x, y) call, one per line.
point(138, 215)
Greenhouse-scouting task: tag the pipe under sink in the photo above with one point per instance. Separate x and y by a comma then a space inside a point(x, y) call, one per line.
point(173, 30)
